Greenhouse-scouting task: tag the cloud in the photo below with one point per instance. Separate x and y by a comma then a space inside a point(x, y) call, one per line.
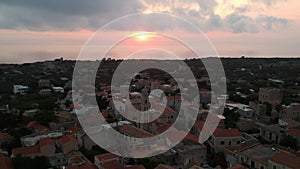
point(272, 23)
point(269, 2)
point(239, 23)
point(65, 15)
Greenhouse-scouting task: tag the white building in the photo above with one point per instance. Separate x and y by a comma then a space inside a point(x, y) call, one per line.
point(20, 89)
point(58, 89)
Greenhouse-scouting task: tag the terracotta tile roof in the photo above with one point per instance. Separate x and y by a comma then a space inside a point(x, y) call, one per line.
point(162, 166)
point(241, 147)
point(105, 114)
point(112, 165)
point(26, 150)
point(227, 133)
point(73, 130)
point(163, 128)
point(169, 109)
point(192, 138)
point(204, 90)
point(296, 106)
point(88, 165)
point(5, 162)
point(294, 132)
point(199, 124)
point(75, 106)
point(238, 166)
point(176, 137)
point(77, 160)
point(136, 100)
point(66, 139)
point(46, 141)
point(173, 97)
point(4, 136)
point(35, 125)
point(107, 156)
point(134, 131)
point(287, 159)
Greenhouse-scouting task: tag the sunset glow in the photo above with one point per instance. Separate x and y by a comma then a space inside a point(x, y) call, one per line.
point(143, 36)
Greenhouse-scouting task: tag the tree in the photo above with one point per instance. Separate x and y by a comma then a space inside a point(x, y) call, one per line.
point(289, 141)
point(147, 162)
point(218, 158)
point(278, 107)
point(29, 163)
point(91, 153)
point(44, 117)
point(231, 117)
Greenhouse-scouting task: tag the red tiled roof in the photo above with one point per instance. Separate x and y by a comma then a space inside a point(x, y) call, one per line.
point(238, 166)
point(46, 141)
point(134, 131)
point(199, 124)
point(296, 106)
point(163, 128)
point(169, 109)
point(105, 114)
point(162, 166)
point(112, 165)
point(176, 137)
point(204, 90)
point(287, 159)
point(241, 147)
point(35, 125)
point(135, 100)
point(26, 150)
point(73, 130)
point(173, 97)
point(88, 165)
point(66, 139)
point(227, 133)
point(294, 132)
point(191, 137)
point(107, 156)
point(75, 106)
point(5, 162)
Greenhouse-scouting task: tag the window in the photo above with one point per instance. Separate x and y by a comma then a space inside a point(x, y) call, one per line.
point(229, 143)
point(222, 143)
point(238, 142)
point(242, 159)
point(262, 167)
point(252, 164)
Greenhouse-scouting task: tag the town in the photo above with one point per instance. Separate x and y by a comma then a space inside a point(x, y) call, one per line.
point(259, 128)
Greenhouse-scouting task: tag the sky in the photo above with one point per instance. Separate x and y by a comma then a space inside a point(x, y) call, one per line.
point(38, 30)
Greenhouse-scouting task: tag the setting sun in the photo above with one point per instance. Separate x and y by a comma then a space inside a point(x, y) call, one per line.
point(143, 36)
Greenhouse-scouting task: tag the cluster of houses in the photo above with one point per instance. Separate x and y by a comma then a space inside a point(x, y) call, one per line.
point(62, 139)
